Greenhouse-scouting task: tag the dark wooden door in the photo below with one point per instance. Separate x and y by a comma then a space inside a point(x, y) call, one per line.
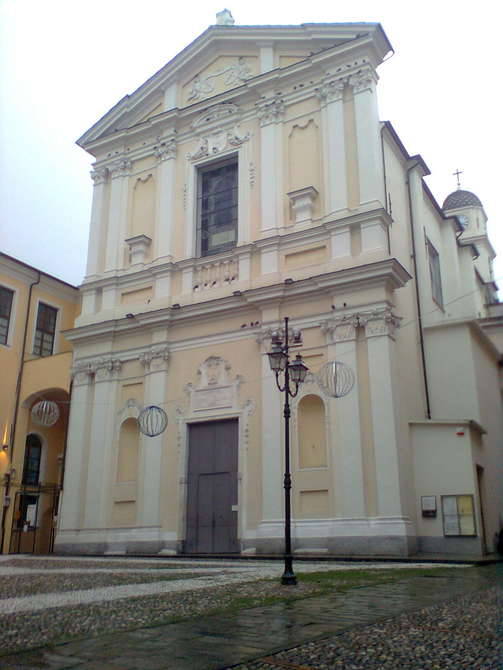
point(212, 488)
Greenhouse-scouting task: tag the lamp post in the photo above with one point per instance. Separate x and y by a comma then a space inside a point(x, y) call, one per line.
point(293, 372)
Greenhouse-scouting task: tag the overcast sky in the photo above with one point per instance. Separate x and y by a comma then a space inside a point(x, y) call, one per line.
point(64, 63)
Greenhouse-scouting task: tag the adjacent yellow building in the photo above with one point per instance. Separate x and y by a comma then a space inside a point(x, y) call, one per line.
point(35, 363)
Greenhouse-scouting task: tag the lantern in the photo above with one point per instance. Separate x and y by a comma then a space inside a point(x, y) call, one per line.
point(152, 421)
point(45, 413)
point(336, 379)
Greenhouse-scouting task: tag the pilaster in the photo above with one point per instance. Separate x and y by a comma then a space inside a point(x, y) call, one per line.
point(330, 95)
point(119, 171)
point(165, 152)
point(370, 168)
point(380, 326)
point(272, 459)
point(101, 439)
point(270, 112)
point(77, 450)
point(97, 224)
point(349, 474)
point(155, 364)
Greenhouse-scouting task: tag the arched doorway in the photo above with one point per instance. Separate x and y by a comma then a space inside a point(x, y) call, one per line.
point(39, 478)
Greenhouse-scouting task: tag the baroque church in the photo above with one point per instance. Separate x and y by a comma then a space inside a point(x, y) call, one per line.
point(249, 180)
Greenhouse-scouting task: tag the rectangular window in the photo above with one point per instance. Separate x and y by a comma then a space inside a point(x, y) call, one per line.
point(6, 297)
point(46, 328)
point(436, 279)
point(217, 207)
point(458, 513)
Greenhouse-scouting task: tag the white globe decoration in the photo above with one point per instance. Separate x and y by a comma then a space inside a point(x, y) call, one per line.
point(152, 420)
point(336, 379)
point(45, 413)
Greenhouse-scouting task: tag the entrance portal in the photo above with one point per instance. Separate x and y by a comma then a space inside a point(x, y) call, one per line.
point(212, 488)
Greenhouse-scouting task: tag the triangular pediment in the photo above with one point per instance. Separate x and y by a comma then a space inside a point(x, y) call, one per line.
point(223, 58)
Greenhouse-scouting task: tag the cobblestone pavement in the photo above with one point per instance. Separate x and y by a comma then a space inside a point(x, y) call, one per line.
point(219, 641)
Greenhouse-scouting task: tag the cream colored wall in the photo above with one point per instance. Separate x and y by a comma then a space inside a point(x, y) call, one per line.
point(443, 465)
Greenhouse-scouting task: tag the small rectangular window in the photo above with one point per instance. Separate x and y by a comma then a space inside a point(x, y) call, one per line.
point(458, 514)
point(6, 298)
point(217, 212)
point(45, 330)
point(436, 279)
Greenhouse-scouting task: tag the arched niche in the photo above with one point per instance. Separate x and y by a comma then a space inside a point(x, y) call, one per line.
point(311, 432)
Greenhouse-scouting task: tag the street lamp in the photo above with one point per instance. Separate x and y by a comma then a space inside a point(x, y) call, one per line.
point(294, 372)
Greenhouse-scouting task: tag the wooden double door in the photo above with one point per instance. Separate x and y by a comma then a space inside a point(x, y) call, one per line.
point(212, 518)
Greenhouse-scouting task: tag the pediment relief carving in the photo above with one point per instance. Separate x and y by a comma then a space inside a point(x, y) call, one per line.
point(225, 73)
point(216, 116)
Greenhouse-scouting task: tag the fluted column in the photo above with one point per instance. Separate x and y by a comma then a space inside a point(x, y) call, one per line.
point(97, 224)
point(380, 327)
point(370, 166)
point(114, 256)
point(270, 113)
point(350, 483)
point(155, 364)
point(77, 449)
point(101, 441)
point(330, 94)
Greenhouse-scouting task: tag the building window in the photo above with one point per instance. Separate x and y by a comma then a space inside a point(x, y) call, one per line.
point(458, 513)
point(46, 328)
point(217, 216)
point(32, 458)
point(6, 297)
point(436, 279)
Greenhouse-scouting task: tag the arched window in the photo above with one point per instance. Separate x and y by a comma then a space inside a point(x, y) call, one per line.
point(312, 441)
point(32, 458)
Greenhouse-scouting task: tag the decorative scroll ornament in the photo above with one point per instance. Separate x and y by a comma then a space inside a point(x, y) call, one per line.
point(216, 142)
point(271, 110)
point(362, 80)
point(336, 379)
point(45, 413)
point(99, 175)
point(235, 74)
point(152, 421)
point(331, 90)
point(165, 148)
point(120, 168)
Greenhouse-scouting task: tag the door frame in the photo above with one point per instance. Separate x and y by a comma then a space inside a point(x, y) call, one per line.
point(184, 421)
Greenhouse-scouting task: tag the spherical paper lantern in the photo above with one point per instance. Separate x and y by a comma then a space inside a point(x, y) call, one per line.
point(336, 379)
point(45, 413)
point(152, 421)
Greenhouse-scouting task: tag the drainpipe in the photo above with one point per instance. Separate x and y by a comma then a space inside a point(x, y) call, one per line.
point(418, 301)
point(16, 406)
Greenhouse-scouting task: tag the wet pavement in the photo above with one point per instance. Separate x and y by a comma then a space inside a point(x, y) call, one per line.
point(220, 641)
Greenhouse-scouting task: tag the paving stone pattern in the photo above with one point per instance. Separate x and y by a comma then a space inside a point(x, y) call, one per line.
point(311, 630)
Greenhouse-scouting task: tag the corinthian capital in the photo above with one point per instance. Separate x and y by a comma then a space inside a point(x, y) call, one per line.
point(99, 175)
point(120, 168)
point(363, 80)
point(270, 110)
point(107, 368)
point(330, 90)
point(165, 149)
point(380, 322)
point(341, 328)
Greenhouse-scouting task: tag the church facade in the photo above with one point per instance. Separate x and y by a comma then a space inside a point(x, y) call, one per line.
point(248, 180)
